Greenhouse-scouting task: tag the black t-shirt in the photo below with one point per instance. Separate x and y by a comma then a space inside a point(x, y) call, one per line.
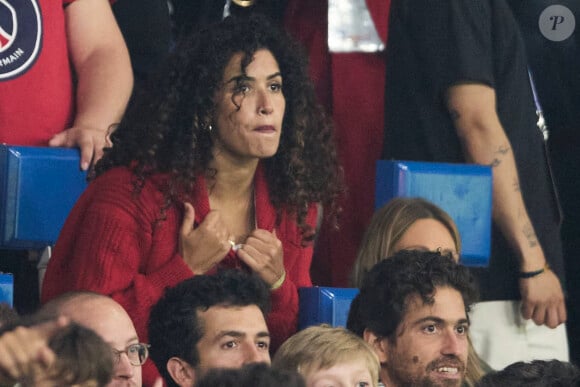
point(435, 44)
point(189, 15)
point(550, 30)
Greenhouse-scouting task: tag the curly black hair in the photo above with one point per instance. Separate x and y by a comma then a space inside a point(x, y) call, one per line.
point(538, 373)
point(383, 299)
point(165, 129)
point(174, 327)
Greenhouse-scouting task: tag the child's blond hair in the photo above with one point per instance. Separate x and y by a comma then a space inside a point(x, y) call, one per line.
point(322, 347)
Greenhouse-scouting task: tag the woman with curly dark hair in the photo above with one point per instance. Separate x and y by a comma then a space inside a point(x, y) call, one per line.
point(227, 161)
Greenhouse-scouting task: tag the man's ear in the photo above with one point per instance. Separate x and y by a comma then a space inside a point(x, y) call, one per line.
point(181, 372)
point(379, 344)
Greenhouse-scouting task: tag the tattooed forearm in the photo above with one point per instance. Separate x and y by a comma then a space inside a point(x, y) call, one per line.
point(502, 150)
point(530, 235)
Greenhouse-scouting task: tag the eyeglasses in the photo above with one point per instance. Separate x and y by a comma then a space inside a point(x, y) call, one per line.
point(137, 354)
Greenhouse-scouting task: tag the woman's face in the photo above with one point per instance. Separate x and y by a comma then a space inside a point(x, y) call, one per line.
point(249, 109)
point(427, 235)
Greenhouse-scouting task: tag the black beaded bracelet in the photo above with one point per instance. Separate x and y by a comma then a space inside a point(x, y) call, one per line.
point(531, 274)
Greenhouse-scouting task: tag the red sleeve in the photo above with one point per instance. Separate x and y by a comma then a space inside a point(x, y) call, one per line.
point(283, 318)
point(113, 244)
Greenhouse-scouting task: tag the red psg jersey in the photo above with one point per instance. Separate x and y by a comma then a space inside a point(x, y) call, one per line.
point(36, 82)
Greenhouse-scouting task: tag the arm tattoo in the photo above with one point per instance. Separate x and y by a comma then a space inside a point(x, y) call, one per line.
point(530, 235)
point(502, 150)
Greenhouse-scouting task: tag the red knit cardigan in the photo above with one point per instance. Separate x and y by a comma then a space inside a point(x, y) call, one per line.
point(113, 243)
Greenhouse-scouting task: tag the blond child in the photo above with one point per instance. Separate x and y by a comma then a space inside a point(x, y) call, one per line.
point(329, 356)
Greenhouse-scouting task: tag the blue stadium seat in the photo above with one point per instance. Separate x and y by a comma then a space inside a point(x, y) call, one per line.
point(464, 191)
point(38, 188)
point(320, 305)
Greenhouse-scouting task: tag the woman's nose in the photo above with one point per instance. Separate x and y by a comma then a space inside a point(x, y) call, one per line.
point(265, 104)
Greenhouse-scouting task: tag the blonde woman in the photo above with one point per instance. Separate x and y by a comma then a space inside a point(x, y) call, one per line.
point(402, 224)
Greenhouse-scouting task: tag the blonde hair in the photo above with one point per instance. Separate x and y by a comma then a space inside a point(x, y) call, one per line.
point(474, 369)
point(389, 224)
point(322, 347)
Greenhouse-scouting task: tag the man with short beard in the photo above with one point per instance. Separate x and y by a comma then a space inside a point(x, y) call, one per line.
point(412, 309)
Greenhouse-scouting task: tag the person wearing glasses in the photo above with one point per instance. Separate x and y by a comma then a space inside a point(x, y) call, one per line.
point(108, 319)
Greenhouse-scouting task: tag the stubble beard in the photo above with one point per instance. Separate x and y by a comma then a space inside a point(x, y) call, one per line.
point(400, 376)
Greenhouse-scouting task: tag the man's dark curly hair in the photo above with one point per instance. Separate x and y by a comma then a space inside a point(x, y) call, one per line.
point(166, 129)
point(538, 373)
point(174, 327)
point(383, 299)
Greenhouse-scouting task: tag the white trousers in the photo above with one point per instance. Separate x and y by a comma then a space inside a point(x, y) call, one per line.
point(501, 336)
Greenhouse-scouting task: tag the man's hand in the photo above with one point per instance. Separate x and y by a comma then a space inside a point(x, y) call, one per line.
point(207, 244)
point(263, 253)
point(91, 142)
point(24, 349)
point(543, 299)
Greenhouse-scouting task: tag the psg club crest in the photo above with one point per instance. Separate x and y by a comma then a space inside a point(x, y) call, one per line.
point(20, 36)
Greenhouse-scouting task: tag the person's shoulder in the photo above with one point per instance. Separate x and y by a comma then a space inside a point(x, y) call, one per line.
point(115, 173)
point(120, 188)
point(125, 176)
point(113, 179)
point(109, 186)
point(123, 182)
